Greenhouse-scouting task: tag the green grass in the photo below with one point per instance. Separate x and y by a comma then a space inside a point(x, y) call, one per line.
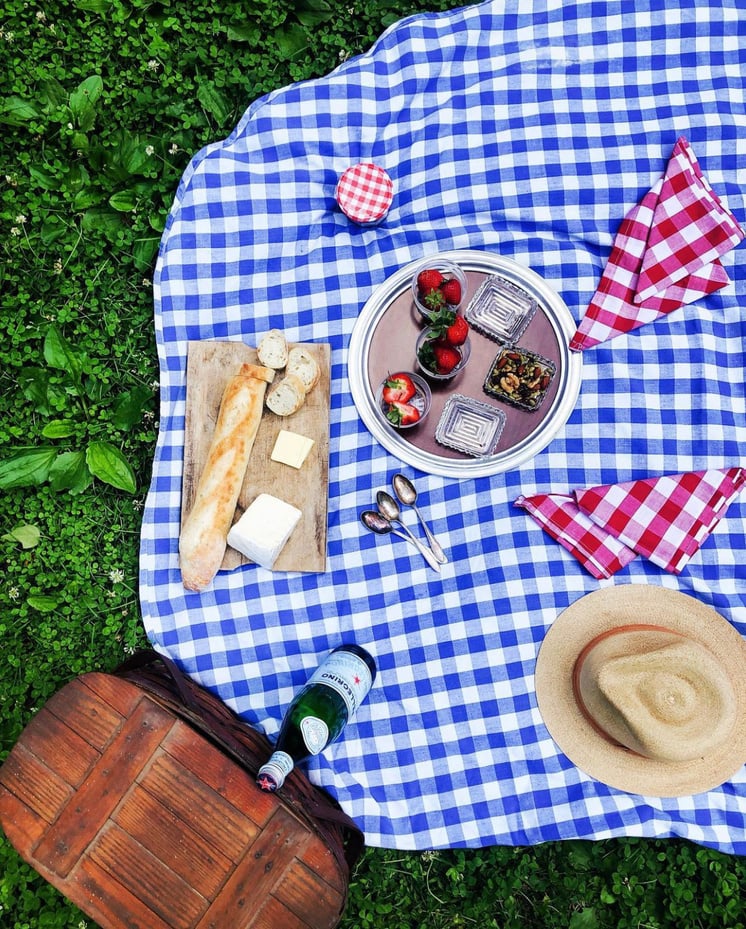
point(102, 104)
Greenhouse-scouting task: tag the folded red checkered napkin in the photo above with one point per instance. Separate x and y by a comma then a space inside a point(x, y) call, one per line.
point(559, 515)
point(665, 519)
point(666, 253)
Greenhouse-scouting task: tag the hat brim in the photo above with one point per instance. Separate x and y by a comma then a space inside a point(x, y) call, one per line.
point(637, 604)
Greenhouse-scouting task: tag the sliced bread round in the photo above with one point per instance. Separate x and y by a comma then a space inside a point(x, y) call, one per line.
point(272, 351)
point(287, 397)
point(302, 364)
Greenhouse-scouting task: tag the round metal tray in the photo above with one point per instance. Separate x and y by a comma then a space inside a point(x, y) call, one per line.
point(385, 332)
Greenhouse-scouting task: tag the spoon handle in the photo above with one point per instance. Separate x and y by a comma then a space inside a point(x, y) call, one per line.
point(434, 544)
point(425, 552)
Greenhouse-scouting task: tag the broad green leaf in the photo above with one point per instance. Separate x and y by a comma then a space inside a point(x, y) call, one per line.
point(44, 603)
point(214, 103)
point(109, 465)
point(313, 12)
point(58, 429)
point(15, 111)
point(34, 382)
point(51, 92)
point(52, 230)
point(243, 33)
point(27, 535)
point(128, 156)
point(130, 406)
point(124, 201)
point(101, 220)
point(83, 101)
point(58, 353)
point(144, 252)
point(70, 472)
point(94, 6)
point(291, 40)
point(45, 179)
point(86, 198)
point(584, 919)
point(26, 467)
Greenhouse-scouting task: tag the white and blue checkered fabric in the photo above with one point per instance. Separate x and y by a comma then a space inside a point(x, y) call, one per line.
point(526, 130)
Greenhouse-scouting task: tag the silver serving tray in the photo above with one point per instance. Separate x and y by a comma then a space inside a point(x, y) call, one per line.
point(567, 378)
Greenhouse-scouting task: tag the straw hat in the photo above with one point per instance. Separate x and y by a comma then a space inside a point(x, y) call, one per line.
point(644, 688)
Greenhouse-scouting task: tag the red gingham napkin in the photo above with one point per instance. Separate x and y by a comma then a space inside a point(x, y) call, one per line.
point(364, 193)
point(666, 253)
point(665, 519)
point(559, 515)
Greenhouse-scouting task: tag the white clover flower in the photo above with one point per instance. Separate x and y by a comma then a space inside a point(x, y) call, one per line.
point(14, 230)
point(13, 593)
point(116, 576)
point(41, 16)
point(149, 150)
point(174, 149)
point(154, 385)
point(153, 65)
point(20, 219)
point(8, 36)
point(58, 266)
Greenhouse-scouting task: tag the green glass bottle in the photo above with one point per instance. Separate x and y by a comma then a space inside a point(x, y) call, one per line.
point(319, 712)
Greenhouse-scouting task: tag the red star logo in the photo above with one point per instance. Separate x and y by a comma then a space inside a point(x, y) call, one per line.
point(266, 782)
point(356, 679)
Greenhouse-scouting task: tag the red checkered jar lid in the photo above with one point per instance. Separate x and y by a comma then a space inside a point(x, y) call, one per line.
point(364, 193)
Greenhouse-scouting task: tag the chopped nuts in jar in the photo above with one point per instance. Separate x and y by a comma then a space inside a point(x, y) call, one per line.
point(519, 377)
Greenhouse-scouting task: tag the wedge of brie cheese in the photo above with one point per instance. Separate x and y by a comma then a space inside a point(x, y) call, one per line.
point(264, 528)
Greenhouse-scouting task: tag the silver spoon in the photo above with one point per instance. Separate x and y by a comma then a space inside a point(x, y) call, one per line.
point(406, 492)
point(378, 523)
point(389, 508)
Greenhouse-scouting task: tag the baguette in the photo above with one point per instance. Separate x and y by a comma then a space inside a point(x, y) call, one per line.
point(288, 396)
point(303, 365)
point(204, 533)
point(272, 351)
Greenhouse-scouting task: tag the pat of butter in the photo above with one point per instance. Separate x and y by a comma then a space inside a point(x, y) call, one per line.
point(291, 448)
point(264, 528)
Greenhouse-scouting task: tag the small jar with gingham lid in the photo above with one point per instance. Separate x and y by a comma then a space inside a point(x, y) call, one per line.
point(364, 193)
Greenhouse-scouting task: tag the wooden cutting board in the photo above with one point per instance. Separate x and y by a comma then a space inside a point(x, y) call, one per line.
point(209, 367)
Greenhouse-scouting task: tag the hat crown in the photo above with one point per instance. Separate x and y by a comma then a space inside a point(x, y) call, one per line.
point(656, 693)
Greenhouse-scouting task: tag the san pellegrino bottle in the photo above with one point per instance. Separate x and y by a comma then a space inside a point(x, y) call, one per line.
point(320, 711)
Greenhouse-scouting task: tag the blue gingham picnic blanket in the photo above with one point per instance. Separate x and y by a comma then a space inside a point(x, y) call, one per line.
point(527, 130)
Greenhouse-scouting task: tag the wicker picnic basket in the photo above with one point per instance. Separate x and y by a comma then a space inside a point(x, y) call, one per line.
point(133, 793)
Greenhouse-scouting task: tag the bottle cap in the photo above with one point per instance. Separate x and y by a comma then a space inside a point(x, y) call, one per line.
point(271, 776)
point(365, 193)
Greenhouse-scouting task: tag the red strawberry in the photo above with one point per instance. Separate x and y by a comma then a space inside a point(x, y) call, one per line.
point(429, 279)
point(451, 291)
point(457, 332)
point(402, 414)
point(398, 387)
point(446, 358)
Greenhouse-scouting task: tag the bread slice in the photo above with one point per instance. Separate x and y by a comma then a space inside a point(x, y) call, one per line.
point(302, 364)
point(273, 349)
point(287, 397)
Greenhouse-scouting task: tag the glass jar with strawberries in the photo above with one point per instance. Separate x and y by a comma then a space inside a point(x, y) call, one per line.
point(436, 285)
point(443, 348)
point(404, 399)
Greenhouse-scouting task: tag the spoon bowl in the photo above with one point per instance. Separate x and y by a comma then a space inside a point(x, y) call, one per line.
point(376, 522)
